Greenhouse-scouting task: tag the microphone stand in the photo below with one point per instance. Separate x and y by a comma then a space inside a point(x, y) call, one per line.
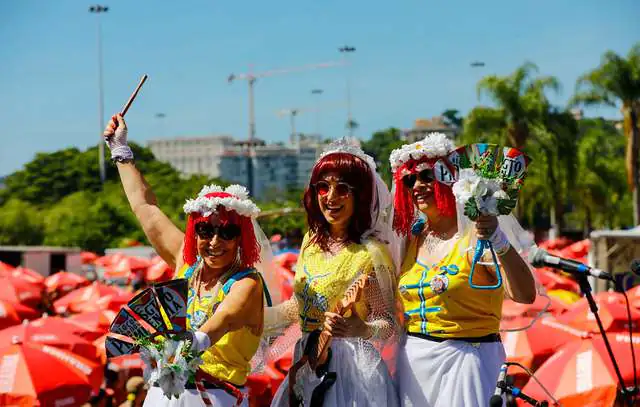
point(586, 290)
point(517, 393)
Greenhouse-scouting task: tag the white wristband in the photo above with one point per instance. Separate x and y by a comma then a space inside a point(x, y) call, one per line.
point(500, 242)
point(201, 341)
point(121, 153)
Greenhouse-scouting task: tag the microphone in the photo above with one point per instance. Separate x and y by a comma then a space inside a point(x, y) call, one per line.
point(496, 399)
point(541, 258)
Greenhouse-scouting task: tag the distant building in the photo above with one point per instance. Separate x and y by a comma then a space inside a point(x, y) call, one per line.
point(192, 155)
point(308, 148)
point(276, 168)
point(43, 259)
point(422, 127)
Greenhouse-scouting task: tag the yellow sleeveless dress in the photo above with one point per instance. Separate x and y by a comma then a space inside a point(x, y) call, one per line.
point(229, 358)
point(439, 301)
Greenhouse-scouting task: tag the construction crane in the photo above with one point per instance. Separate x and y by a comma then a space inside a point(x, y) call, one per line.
point(251, 78)
point(295, 111)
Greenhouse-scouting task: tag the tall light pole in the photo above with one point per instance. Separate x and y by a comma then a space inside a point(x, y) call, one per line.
point(346, 50)
point(317, 93)
point(97, 9)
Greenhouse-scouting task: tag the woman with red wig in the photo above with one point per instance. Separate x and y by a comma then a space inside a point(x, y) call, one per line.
point(452, 353)
point(347, 207)
point(218, 254)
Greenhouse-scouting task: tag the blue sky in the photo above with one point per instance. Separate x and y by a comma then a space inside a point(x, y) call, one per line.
point(412, 61)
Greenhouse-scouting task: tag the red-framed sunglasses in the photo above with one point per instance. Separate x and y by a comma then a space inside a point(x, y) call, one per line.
point(341, 188)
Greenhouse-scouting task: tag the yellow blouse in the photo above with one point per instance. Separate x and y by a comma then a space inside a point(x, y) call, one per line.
point(229, 358)
point(439, 301)
point(321, 280)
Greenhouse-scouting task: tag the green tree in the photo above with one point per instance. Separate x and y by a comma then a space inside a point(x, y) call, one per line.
point(20, 223)
point(452, 118)
point(520, 102)
point(380, 146)
point(616, 82)
point(601, 196)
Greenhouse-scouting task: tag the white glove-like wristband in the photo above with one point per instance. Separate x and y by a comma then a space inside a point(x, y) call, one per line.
point(201, 341)
point(117, 143)
point(500, 242)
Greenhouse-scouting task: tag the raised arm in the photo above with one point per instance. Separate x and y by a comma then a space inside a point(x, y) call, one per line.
point(164, 236)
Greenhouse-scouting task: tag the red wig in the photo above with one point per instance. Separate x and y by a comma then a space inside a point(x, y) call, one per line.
point(249, 246)
point(404, 210)
point(355, 172)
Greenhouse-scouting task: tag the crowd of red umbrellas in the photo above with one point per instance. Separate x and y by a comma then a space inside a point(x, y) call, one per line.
point(563, 348)
point(58, 324)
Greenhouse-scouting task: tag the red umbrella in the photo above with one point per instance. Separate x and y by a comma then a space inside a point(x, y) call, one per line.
point(512, 309)
point(5, 267)
point(158, 271)
point(64, 282)
point(41, 375)
point(29, 275)
point(534, 345)
point(19, 291)
point(88, 257)
point(132, 363)
point(554, 281)
point(58, 324)
point(286, 259)
point(612, 311)
point(99, 320)
point(34, 333)
point(13, 314)
point(85, 298)
point(634, 296)
point(581, 374)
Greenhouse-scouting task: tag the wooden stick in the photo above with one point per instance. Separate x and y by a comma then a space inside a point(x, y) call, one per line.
point(133, 96)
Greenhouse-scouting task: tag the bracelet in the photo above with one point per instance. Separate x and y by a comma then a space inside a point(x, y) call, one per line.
point(500, 242)
point(122, 154)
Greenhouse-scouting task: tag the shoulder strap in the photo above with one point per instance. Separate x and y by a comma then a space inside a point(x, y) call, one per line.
point(190, 270)
point(242, 274)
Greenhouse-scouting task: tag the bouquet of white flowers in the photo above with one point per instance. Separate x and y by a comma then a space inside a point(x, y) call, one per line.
point(169, 363)
point(488, 183)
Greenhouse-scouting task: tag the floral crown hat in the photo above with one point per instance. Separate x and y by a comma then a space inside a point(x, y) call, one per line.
point(210, 201)
point(436, 152)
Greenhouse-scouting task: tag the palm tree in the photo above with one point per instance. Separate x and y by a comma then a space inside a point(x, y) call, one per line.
point(520, 102)
point(617, 82)
point(523, 114)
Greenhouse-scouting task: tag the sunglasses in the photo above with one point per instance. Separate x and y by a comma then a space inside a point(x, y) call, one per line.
point(341, 188)
point(207, 231)
point(425, 176)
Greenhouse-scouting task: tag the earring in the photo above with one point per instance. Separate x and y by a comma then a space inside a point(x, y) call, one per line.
point(417, 227)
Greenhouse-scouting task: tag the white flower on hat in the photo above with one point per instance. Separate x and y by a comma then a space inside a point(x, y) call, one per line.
point(239, 202)
point(434, 145)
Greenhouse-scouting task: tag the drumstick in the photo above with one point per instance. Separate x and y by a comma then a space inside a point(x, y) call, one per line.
point(133, 96)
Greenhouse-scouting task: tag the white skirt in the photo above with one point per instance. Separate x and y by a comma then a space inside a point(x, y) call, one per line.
point(448, 374)
point(358, 383)
point(191, 398)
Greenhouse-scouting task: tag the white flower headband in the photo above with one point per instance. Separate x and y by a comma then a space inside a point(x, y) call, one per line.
point(434, 145)
point(239, 202)
point(343, 145)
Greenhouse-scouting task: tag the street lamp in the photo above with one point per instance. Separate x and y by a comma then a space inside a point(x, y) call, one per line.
point(98, 9)
point(351, 124)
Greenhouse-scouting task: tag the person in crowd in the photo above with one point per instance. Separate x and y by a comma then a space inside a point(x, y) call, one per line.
point(218, 254)
point(452, 351)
